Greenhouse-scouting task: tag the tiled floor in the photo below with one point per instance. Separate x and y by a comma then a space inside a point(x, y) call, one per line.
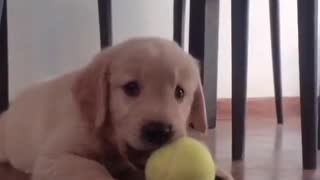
point(272, 152)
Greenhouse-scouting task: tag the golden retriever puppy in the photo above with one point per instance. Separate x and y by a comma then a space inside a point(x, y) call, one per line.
point(101, 122)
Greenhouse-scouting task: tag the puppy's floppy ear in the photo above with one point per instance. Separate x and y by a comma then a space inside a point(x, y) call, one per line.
point(91, 90)
point(198, 114)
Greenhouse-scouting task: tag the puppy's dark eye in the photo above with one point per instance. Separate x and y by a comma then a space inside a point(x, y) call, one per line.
point(132, 89)
point(179, 93)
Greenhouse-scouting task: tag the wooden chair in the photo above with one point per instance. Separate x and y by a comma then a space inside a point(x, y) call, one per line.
point(204, 28)
point(307, 28)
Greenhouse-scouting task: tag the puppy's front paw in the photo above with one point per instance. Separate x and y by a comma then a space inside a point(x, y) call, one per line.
point(223, 175)
point(132, 175)
point(224, 178)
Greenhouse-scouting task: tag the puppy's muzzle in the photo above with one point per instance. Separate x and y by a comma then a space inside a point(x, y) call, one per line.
point(157, 133)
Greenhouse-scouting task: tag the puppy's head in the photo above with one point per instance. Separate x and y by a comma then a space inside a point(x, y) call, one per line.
point(143, 92)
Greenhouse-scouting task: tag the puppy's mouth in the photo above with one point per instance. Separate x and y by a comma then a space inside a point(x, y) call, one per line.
point(138, 157)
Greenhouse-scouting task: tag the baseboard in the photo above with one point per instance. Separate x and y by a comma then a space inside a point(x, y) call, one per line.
point(260, 107)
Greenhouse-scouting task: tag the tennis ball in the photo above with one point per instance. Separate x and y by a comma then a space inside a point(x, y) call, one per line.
point(184, 159)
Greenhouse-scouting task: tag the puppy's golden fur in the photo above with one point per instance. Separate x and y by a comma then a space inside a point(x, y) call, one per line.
point(83, 125)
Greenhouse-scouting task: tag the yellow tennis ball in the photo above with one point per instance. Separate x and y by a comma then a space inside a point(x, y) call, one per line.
point(184, 159)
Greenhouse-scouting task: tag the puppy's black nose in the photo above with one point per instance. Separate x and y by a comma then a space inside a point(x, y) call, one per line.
point(157, 133)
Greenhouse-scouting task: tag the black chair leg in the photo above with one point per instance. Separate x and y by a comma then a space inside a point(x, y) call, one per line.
point(276, 60)
point(203, 45)
point(239, 10)
point(3, 57)
point(318, 119)
point(178, 21)
point(105, 22)
point(307, 28)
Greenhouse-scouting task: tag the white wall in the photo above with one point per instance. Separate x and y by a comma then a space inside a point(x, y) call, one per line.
point(49, 37)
